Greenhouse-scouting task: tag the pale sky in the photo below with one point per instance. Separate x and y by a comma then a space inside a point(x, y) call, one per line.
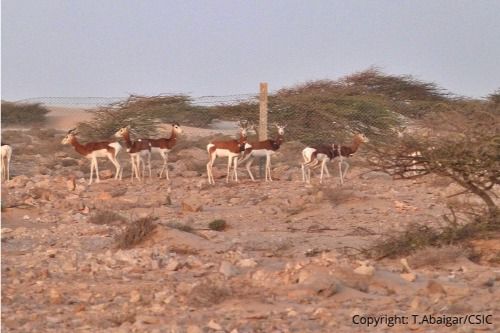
point(220, 47)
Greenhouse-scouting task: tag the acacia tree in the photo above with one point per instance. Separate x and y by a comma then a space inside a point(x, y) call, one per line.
point(463, 145)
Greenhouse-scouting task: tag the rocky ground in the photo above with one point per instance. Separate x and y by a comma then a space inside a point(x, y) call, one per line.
point(288, 259)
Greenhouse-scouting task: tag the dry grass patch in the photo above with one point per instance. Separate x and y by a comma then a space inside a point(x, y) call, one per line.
point(106, 217)
point(180, 226)
point(135, 232)
point(436, 257)
point(208, 293)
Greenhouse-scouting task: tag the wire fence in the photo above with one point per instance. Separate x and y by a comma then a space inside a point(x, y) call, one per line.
point(309, 118)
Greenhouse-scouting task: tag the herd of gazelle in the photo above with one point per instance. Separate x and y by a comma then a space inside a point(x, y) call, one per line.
point(141, 150)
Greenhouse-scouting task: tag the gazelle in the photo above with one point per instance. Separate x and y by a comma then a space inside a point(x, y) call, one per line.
point(265, 149)
point(324, 153)
point(230, 149)
point(138, 150)
point(93, 150)
point(5, 166)
point(163, 146)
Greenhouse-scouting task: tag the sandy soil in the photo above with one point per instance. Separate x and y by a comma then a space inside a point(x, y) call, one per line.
point(288, 260)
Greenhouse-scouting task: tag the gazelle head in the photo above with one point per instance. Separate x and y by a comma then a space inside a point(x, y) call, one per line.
point(361, 138)
point(70, 137)
point(244, 127)
point(177, 128)
point(281, 128)
point(122, 131)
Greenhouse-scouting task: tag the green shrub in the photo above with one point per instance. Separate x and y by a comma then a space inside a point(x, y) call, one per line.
point(20, 113)
point(217, 225)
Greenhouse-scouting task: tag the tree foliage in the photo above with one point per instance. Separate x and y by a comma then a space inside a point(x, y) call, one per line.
point(23, 113)
point(462, 144)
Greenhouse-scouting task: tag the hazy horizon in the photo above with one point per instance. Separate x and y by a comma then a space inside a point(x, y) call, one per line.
point(116, 48)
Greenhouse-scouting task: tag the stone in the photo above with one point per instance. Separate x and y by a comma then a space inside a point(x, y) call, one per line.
point(434, 287)
point(106, 174)
point(135, 296)
point(193, 329)
point(365, 270)
point(191, 204)
point(173, 265)
point(104, 196)
point(410, 277)
point(227, 269)
point(247, 263)
point(214, 325)
point(55, 297)
point(406, 266)
point(71, 184)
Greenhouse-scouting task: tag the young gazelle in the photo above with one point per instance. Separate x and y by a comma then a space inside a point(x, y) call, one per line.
point(230, 149)
point(265, 149)
point(163, 146)
point(323, 153)
point(5, 166)
point(138, 150)
point(93, 150)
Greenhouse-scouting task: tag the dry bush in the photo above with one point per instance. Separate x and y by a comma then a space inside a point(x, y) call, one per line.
point(419, 236)
point(338, 195)
point(106, 217)
point(180, 226)
point(462, 145)
point(436, 257)
point(208, 293)
point(135, 232)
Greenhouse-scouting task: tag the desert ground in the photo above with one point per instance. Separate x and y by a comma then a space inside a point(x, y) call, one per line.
point(288, 260)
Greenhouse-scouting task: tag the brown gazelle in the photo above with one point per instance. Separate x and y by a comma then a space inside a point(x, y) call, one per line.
point(230, 149)
point(163, 146)
point(93, 150)
point(137, 151)
point(323, 153)
point(265, 149)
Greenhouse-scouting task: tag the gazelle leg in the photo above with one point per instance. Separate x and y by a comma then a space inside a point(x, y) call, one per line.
point(91, 170)
point(346, 168)
point(229, 163)
point(132, 166)
point(210, 164)
point(340, 173)
point(149, 164)
point(323, 163)
point(326, 170)
point(268, 167)
point(248, 164)
point(166, 166)
point(98, 179)
point(116, 164)
point(235, 163)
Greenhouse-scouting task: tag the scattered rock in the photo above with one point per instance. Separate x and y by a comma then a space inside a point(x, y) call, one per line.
point(410, 277)
point(227, 269)
point(213, 325)
point(55, 297)
point(191, 204)
point(247, 263)
point(135, 296)
point(106, 174)
point(194, 329)
point(173, 265)
point(365, 269)
point(434, 287)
